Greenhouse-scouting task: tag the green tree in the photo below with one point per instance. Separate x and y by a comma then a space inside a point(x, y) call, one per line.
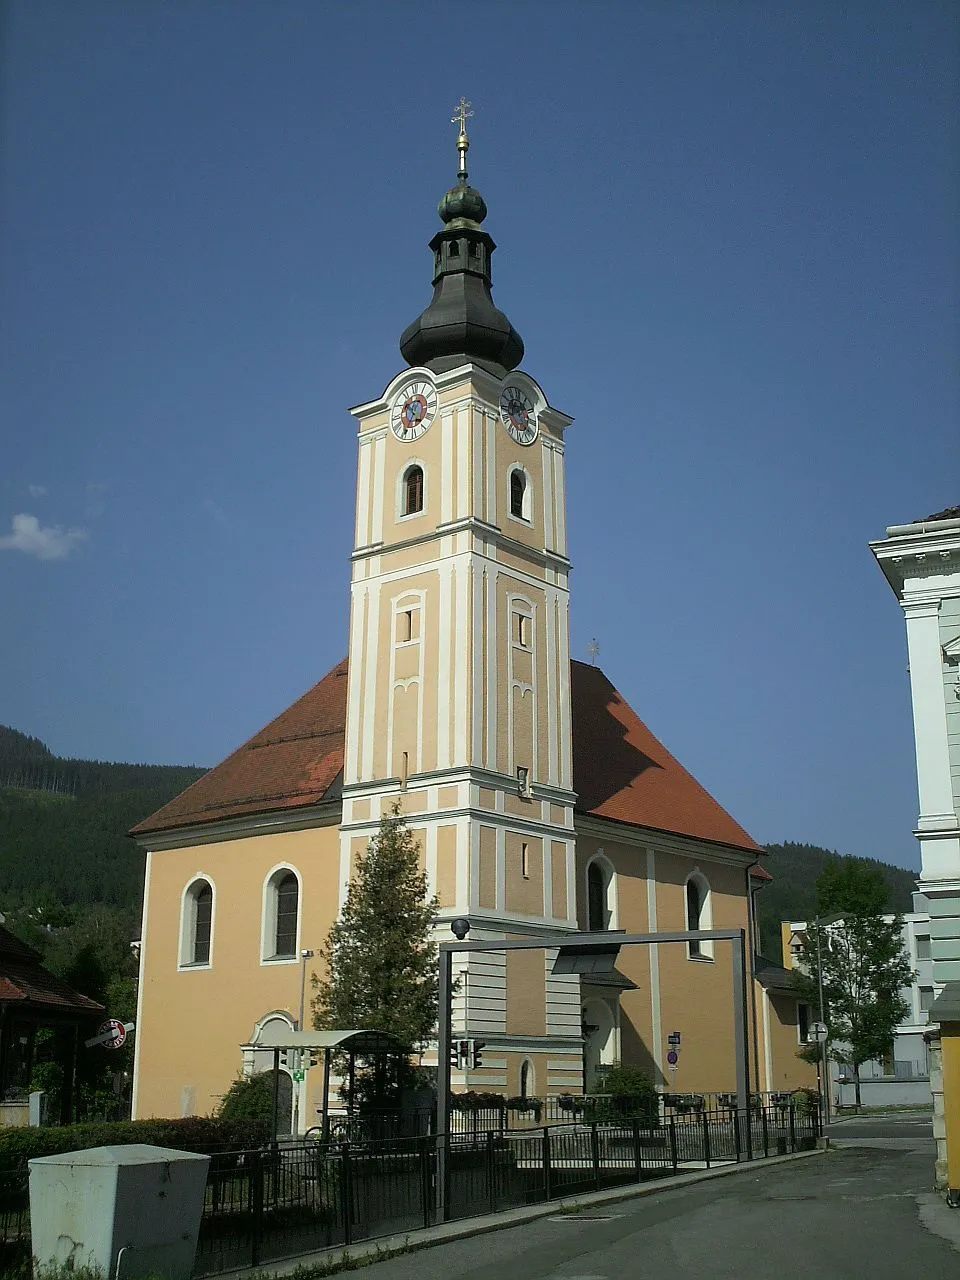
point(381, 966)
point(862, 961)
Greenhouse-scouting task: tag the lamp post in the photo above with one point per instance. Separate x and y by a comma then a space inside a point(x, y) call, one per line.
point(304, 957)
point(296, 1054)
point(822, 1029)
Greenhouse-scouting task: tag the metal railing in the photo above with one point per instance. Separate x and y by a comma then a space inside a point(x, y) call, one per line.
point(261, 1206)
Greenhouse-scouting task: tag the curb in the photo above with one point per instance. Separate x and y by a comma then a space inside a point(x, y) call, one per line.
point(385, 1247)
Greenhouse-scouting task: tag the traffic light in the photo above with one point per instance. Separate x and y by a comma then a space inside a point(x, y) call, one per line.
point(460, 1054)
point(476, 1058)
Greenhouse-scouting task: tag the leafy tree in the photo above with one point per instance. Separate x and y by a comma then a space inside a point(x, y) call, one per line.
point(249, 1098)
point(381, 966)
point(862, 961)
point(792, 894)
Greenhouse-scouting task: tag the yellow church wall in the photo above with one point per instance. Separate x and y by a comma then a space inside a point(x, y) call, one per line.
point(488, 868)
point(526, 993)
point(192, 1021)
point(447, 866)
point(697, 993)
point(558, 872)
point(781, 1069)
point(524, 886)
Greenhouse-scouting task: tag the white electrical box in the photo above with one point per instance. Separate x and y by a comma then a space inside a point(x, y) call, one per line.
point(129, 1211)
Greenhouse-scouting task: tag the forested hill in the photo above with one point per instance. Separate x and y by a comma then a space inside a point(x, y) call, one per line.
point(63, 840)
point(63, 824)
point(793, 896)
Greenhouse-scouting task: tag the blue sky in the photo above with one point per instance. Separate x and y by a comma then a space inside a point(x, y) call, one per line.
point(727, 235)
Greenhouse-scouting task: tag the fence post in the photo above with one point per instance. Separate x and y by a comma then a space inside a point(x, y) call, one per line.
point(547, 1165)
point(426, 1188)
point(736, 1135)
point(595, 1153)
point(491, 1187)
point(346, 1199)
point(706, 1138)
point(793, 1130)
point(256, 1205)
point(763, 1119)
point(637, 1150)
point(673, 1141)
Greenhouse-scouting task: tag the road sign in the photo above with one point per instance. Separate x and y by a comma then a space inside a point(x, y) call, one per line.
point(298, 1076)
point(673, 1037)
point(111, 1034)
point(673, 1058)
point(819, 1032)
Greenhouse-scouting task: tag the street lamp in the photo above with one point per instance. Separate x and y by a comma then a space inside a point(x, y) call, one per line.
point(821, 1030)
point(305, 955)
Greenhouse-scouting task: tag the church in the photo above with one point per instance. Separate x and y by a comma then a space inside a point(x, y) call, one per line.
point(540, 801)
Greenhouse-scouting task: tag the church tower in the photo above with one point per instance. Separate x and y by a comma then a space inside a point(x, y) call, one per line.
point(458, 695)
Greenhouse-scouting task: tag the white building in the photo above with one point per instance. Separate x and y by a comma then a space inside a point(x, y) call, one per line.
point(908, 1059)
point(921, 561)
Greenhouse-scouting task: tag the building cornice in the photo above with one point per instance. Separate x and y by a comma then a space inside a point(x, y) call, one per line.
point(684, 846)
point(218, 830)
point(920, 551)
point(482, 530)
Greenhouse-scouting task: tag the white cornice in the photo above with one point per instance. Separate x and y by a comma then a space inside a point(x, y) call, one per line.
point(663, 841)
point(238, 828)
point(480, 530)
point(920, 551)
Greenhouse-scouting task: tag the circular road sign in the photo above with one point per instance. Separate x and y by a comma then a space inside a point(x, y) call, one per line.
point(673, 1058)
point(119, 1034)
point(819, 1032)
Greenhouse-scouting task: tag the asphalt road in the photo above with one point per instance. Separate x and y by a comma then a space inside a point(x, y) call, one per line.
point(853, 1212)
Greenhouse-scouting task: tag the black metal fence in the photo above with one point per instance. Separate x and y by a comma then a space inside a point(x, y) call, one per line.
point(261, 1206)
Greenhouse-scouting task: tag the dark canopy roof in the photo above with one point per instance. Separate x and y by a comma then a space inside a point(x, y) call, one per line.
point(25, 984)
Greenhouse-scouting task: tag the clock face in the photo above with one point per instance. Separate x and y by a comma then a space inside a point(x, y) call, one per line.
point(519, 415)
point(413, 410)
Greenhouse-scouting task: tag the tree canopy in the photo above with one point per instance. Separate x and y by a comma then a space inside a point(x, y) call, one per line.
point(862, 960)
point(381, 966)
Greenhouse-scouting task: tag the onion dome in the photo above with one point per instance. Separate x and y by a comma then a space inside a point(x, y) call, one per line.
point(461, 323)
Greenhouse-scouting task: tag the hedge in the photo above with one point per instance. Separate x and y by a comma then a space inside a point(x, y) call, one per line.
point(203, 1134)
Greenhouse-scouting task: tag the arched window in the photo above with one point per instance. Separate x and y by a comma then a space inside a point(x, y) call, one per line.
point(518, 483)
point(413, 491)
point(526, 1079)
point(281, 916)
point(601, 906)
point(699, 914)
point(520, 494)
point(596, 898)
point(196, 927)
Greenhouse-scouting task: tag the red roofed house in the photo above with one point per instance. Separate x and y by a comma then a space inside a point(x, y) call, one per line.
point(32, 999)
point(540, 800)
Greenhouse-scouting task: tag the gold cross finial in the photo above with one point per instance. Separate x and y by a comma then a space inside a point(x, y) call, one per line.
point(462, 113)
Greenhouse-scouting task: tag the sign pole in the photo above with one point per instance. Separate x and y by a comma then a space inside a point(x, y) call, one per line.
point(443, 1084)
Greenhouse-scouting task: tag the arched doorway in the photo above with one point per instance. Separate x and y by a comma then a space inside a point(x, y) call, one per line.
point(600, 1041)
point(284, 1100)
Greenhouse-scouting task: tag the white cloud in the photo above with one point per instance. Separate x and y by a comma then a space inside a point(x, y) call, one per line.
point(50, 542)
point(37, 490)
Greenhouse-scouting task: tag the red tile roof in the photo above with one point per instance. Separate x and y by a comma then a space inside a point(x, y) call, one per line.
point(621, 771)
point(291, 764)
point(24, 981)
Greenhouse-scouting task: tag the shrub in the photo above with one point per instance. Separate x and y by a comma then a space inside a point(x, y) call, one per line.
point(249, 1098)
point(627, 1093)
point(203, 1134)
